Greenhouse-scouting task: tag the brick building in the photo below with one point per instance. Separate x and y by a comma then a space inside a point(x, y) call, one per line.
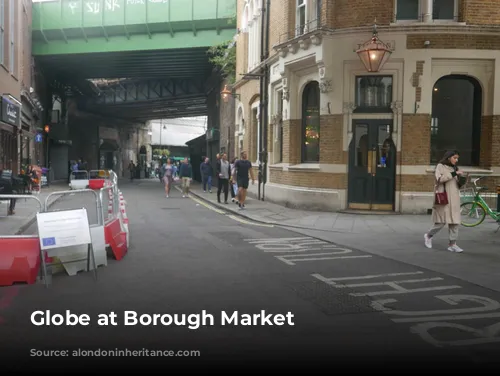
point(19, 106)
point(341, 137)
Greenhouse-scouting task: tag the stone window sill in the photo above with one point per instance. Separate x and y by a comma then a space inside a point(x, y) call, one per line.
point(304, 167)
point(421, 23)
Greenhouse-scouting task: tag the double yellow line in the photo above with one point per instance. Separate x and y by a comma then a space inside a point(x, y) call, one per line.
point(232, 216)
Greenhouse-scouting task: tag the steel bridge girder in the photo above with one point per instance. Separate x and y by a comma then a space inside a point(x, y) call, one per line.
point(150, 90)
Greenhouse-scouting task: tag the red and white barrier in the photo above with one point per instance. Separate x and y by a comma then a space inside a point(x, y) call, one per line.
point(116, 226)
point(19, 260)
point(123, 216)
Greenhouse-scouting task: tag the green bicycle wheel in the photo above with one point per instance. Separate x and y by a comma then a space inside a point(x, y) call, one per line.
point(473, 211)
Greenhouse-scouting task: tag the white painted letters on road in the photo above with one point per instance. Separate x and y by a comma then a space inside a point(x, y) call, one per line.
point(488, 334)
point(396, 287)
point(301, 247)
point(487, 304)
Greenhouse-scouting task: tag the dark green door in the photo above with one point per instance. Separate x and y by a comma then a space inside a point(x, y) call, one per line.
point(372, 166)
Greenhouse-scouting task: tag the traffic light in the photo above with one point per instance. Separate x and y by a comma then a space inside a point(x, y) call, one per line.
point(46, 129)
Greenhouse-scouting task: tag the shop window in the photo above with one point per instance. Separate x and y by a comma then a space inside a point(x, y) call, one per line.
point(310, 123)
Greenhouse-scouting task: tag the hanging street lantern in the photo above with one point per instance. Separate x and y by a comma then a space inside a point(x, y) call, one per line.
point(374, 53)
point(226, 93)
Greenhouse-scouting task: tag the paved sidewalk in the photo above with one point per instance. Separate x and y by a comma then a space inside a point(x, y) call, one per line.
point(26, 210)
point(396, 236)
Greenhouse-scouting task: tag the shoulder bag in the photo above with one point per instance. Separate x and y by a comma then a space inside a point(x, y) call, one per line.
point(440, 198)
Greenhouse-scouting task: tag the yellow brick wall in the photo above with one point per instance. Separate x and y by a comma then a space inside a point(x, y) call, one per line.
point(354, 13)
point(309, 179)
point(415, 139)
point(480, 12)
point(331, 140)
point(453, 41)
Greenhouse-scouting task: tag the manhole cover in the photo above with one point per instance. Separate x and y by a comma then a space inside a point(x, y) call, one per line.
point(331, 300)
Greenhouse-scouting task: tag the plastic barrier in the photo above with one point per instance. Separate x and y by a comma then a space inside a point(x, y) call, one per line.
point(124, 217)
point(116, 238)
point(74, 260)
point(19, 254)
point(115, 235)
point(98, 178)
point(79, 180)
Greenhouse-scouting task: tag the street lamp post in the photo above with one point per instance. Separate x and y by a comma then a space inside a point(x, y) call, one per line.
point(374, 53)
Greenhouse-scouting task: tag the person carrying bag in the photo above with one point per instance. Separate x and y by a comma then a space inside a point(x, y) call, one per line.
point(446, 208)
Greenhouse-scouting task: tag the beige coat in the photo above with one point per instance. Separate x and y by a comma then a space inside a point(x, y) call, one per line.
point(449, 214)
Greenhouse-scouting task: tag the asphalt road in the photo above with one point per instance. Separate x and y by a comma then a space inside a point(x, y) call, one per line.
point(349, 307)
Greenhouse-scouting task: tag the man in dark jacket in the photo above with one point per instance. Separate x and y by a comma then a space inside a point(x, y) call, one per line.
point(224, 174)
point(186, 175)
point(8, 187)
point(206, 172)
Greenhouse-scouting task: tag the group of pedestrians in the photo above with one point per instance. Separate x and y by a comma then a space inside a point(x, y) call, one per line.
point(232, 177)
point(170, 173)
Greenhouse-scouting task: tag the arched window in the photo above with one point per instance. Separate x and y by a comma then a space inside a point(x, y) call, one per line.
point(251, 23)
point(310, 123)
point(241, 121)
point(456, 118)
point(244, 20)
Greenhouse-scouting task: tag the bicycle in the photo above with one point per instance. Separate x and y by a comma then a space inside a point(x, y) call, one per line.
point(477, 207)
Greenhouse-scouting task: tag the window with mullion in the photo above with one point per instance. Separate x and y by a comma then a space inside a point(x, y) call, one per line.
point(407, 10)
point(300, 23)
point(443, 10)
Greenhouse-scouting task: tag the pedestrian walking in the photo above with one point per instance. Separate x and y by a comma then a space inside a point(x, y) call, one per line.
point(224, 174)
point(131, 168)
point(186, 175)
point(446, 209)
point(168, 176)
point(232, 185)
point(242, 168)
point(206, 172)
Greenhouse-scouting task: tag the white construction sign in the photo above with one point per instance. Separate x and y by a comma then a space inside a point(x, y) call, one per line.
point(62, 229)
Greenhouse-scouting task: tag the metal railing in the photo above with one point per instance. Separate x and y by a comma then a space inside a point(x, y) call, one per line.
point(300, 30)
point(73, 192)
point(9, 197)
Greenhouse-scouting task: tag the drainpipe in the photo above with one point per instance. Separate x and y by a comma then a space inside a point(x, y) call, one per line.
point(265, 97)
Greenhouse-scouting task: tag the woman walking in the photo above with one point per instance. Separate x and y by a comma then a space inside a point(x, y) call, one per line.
point(446, 210)
point(232, 187)
point(168, 176)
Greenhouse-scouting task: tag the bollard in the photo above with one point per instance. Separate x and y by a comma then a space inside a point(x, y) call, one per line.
point(498, 198)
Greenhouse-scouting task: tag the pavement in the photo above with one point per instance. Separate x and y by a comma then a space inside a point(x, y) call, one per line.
point(26, 210)
point(194, 265)
point(395, 236)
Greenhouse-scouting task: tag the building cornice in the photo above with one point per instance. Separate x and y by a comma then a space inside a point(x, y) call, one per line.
point(412, 28)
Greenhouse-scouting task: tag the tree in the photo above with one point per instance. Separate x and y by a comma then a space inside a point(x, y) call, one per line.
point(223, 57)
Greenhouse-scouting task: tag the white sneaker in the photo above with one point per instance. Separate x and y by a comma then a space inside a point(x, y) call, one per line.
point(428, 241)
point(455, 248)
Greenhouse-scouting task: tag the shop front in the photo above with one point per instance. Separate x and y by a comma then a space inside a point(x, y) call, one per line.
point(9, 132)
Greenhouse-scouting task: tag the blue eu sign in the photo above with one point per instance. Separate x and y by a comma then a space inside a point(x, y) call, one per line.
point(38, 137)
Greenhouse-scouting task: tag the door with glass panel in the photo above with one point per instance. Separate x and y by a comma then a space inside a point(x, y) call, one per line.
point(372, 166)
